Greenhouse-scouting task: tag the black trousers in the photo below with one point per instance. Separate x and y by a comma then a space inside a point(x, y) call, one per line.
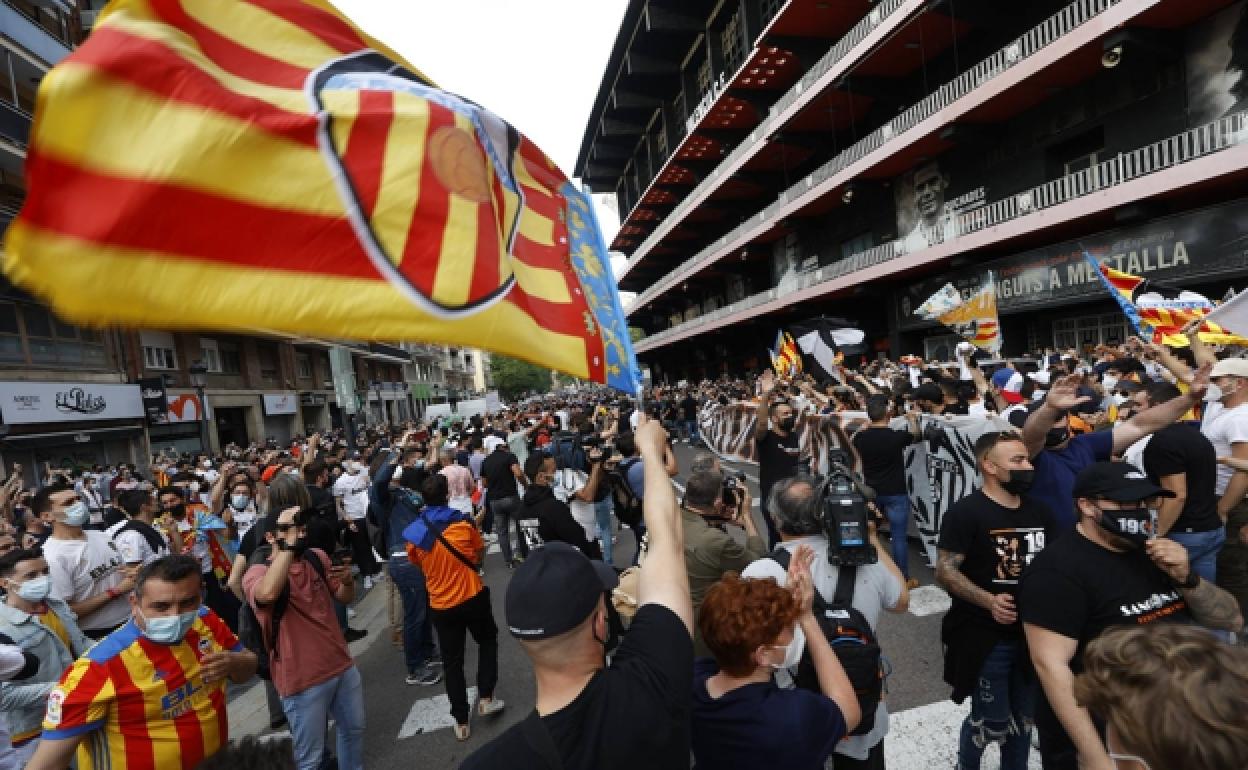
point(476, 617)
point(874, 760)
point(361, 547)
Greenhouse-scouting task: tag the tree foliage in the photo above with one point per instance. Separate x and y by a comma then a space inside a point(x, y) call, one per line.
point(514, 378)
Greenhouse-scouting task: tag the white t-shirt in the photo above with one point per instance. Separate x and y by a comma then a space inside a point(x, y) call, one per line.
point(567, 483)
point(134, 548)
point(875, 588)
point(245, 519)
point(353, 489)
point(84, 568)
point(1224, 428)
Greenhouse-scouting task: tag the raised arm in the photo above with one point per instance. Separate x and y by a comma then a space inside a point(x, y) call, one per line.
point(663, 579)
point(1152, 420)
point(762, 417)
point(1203, 353)
point(833, 681)
point(1063, 396)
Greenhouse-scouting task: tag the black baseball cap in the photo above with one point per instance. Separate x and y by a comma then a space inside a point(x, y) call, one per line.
point(554, 591)
point(929, 391)
point(1120, 482)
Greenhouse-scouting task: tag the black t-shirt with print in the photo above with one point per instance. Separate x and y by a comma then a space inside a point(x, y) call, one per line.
point(778, 458)
point(1182, 448)
point(1078, 589)
point(998, 543)
point(633, 714)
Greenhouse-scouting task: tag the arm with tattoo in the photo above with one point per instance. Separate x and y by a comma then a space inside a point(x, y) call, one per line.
point(1213, 607)
point(949, 575)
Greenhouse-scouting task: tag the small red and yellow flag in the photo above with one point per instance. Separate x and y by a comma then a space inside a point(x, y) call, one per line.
point(244, 164)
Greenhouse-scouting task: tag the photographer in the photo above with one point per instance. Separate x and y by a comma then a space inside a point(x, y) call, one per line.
point(577, 480)
point(798, 512)
point(311, 665)
point(712, 501)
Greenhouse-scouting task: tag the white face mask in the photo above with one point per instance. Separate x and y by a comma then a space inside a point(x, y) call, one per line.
point(792, 656)
point(1109, 382)
point(1118, 399)
point(1214, 393)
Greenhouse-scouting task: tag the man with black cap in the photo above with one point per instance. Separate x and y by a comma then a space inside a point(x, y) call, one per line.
point(1111, 571)
point(634, 712)
point(1058, 456)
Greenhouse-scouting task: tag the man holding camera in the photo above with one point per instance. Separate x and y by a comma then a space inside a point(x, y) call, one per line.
point(798, 514)
point(312, 668)
point(713, 501)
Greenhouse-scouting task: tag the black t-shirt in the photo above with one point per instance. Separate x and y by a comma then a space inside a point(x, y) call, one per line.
point(633, 714)
point(323, 527)
point(496, 470)
point(883, 462)
point(778, 458)
point(1077, 589)
point(998, 543)
point(690, 408)
point(1182, 448)
point(253, 539)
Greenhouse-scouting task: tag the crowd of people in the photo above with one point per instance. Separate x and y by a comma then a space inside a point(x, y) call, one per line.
point(1098, 575)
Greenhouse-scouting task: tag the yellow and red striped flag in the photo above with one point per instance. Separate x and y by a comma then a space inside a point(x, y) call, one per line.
point(244, 164)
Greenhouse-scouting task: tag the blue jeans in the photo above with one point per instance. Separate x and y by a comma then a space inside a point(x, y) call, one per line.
point(308, 713)
point(602, 513)
point(1002, 709)
point(417, 630)
point(1202, 550)
point(691, 430)
point(506, 518)
point(897, 509)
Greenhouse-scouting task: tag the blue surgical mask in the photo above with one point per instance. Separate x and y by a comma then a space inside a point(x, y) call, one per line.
point(77, 515)
point(239, 502)
point(36, 589)
point(168, 630)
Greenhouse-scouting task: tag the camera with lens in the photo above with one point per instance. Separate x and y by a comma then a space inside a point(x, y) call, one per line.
point(845, 514)
point(734, 485)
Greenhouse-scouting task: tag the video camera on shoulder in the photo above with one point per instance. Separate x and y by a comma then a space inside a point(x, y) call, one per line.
point(846, 516)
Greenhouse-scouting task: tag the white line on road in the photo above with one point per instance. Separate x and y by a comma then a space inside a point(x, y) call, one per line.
point(929, 600)
point(431, 714)
point(931, 738)
point(494, 548)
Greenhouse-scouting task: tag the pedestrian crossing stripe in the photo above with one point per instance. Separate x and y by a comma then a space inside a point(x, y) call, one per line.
point(430, 714)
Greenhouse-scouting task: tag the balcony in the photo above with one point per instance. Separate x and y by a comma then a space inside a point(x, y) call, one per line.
point(1050, 55)
point(14, 124)
point(20, 23)
point(1205, 153)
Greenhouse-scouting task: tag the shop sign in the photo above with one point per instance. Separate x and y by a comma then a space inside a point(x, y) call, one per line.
point(155, 400)
point(1178, 251)
point(184, 407)
point(280, 403)
point(24, 403)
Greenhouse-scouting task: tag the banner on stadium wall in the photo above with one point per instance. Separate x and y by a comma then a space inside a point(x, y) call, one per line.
point(940, 469)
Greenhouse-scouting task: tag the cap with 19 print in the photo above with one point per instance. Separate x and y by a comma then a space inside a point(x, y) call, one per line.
point(554, 591)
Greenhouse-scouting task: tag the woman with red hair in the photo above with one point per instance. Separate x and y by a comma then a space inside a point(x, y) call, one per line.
point(741, 718)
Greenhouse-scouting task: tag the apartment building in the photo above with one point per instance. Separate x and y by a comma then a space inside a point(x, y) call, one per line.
point(774, 161)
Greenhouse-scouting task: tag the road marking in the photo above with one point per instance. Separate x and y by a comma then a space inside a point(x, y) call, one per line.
point(431, 714)
point(931, 738)
point(929, 600)
point(494, 548)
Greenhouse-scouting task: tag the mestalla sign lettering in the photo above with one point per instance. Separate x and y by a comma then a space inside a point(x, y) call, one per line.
point(1180, 251)
point(24, 403)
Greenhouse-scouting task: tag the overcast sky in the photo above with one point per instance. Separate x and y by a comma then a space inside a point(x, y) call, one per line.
point(535, 63)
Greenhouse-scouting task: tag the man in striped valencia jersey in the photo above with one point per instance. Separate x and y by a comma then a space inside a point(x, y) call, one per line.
point(152, 693)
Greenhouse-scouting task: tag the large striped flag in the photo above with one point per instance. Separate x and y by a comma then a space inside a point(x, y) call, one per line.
point(1160, 312)
point(975, 318)
point(244, 164)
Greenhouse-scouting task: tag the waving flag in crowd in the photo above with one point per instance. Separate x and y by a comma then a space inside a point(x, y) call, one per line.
point(823, 339)
point(975, 318)
point(785, 357)
point(247, 164)
point(1160, 312)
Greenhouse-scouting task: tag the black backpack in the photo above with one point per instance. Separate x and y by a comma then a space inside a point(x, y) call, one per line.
point(853, 641)
point(627, 504)
point(149, 533)
point(250, 635)
point(566, 448)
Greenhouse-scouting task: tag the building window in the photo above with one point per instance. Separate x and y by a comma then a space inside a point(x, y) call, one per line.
point(856, 245)
point(1086, 332)
point(231, 359)
point(730, 38)
point(770, 9)
point(159, 351)
point(211, 355)
point(303, 366)
point(704, 77)
point(267, 356)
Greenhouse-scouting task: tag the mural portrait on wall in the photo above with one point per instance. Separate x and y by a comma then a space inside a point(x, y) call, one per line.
point(920, 199)
point(1217, 65)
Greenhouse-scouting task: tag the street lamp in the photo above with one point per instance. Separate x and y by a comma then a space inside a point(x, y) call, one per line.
point(199, 379)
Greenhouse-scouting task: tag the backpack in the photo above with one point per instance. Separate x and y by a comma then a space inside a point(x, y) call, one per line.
point(853, 641)
point(627, 504)
point(250, 634)
point(149, 533)
point(566, 448)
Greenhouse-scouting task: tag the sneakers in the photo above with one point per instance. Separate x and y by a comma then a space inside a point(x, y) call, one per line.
point(434, 660)
point(490, 707)
point(462, 732)
point(426, 677)
point(490, 538)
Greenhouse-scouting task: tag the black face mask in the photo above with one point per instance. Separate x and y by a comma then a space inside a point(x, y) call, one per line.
point(1056, 437)
point(178, 511)
point(1019, 482)
point(1134, 527)
point(788, 424)
point(301, 545)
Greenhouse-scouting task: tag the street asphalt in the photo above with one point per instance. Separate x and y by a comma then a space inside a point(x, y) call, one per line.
point(409, 725)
